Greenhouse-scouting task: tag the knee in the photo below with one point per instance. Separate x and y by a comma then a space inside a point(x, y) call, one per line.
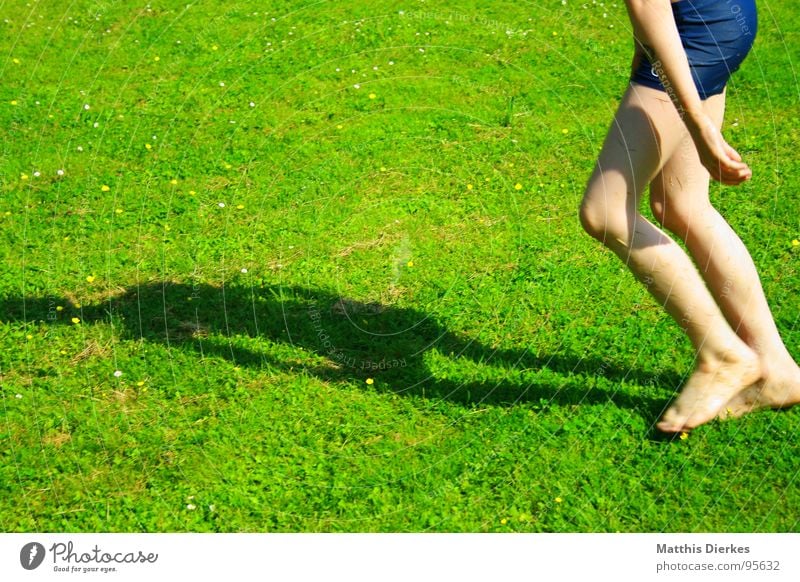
point(602, 220)
point(681, 206)
point(592, 219)
point(672, 214)
point(659, 208)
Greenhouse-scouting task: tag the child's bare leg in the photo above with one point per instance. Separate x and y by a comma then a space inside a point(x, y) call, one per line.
point(646, 131)
point(679, 199)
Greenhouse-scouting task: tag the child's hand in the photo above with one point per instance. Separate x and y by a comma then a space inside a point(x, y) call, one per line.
point(722, 161)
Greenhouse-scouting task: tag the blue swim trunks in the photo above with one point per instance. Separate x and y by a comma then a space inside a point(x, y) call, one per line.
point(716, 35)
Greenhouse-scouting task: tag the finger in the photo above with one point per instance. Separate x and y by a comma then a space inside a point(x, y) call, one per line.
point(727, 171)
point(736, 177)
point(730, 165)
point(717, 175)
point(732, 153)
point(742, 170)
point(729, 176)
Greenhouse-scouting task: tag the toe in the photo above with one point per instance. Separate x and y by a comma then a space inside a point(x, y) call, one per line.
point(668, 428)
point(670, 422)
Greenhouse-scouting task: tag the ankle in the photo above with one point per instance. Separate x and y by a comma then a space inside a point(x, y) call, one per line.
point(711, 360)
point(778, 364)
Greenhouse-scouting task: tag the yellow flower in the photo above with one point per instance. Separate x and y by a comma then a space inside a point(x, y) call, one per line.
point(14, 102)
point(148, 146)
point(62, 352)
point(156, 59)
point(29, 336)
point(90, 278)
point(684, 436)
point(173, 181)
point(76, 320)
point(59, 308)
point(518, 187)
point(372, 95)
point(469, 186)
point(410, 264)
point(338, 127)
point(504, 521)
point(105, 188)
point(15, 61)
point(119, 211)
point(192, 192)
point(565, 131)
point(796, 243)
point(383, 169)
point(228, 166)
point(370, 381)
point(558, 500)
point(140, 383)
point(23, 176)
point(240, 206)
point(214, 47)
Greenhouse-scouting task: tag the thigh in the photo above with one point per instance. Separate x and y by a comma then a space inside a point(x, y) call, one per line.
point(681, 187)
point(645, 133)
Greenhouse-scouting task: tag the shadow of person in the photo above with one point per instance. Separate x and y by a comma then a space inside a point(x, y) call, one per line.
point(338, 339)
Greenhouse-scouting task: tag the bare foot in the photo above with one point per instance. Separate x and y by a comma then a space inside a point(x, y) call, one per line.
point(780, 388)
point(709, 390)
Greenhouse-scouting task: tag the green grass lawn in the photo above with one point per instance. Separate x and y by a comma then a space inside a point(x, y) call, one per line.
point(297, 266)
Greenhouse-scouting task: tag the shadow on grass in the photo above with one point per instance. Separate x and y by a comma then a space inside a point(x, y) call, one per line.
point(341, 340)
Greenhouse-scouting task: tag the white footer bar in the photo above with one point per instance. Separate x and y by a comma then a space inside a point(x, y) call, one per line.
point(400, 557)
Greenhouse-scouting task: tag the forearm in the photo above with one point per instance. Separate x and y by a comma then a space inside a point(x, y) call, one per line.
point(654, 28)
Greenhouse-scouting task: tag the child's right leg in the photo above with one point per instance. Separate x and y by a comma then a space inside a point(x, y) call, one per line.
point(680, 202)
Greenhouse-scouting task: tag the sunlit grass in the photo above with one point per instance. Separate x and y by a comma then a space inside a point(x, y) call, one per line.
point(317, 267)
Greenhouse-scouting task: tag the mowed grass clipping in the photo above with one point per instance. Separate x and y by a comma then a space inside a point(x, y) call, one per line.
point(288, 266)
